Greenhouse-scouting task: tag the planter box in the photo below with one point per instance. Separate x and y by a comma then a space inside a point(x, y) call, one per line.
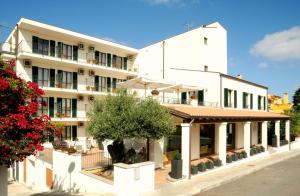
point(176, 169)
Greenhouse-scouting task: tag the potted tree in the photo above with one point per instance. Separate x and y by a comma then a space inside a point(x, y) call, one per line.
point(176, 166)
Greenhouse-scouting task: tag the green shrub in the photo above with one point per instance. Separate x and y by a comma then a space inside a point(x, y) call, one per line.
point(209, 165)
point(234, 157)
point(194, 169)
point(177, 156)
point(244, 154)
point(217, 162)
point(201, 167)
point(240, 155)
point(262, 149)
point(228, 159)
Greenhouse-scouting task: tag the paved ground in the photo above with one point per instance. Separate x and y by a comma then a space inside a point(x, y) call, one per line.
point(275, 180)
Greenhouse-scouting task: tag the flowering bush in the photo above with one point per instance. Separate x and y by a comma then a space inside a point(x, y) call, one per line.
point(22, 133)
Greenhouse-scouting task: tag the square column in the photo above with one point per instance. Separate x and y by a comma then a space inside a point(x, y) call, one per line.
point(277, 132)
point(287, 130)
point(246, 128)
point(264, 134)
point(185, 148)
point(221, 132)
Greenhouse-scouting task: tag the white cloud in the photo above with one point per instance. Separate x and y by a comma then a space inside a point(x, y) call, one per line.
point(263, 65)
point(166, 2)
point(283, 45)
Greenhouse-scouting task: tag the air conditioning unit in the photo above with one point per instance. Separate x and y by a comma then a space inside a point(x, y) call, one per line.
point(81, 71)
point(91, 98)
point(91, 48)
point(27, 63)
point(91, 72)
point(129, 77)
point(80, 124)
point(81, 46)
point(80, 97)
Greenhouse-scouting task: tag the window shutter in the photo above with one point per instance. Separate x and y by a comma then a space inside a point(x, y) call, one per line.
point(108, 81)
point(259, 102)
point(75, 81)
point(59, 49)
point(97, 57)
point(52, 77)
point(235, 99)
point(108, 60)
point(75, 53)
point(183, 98)
point(74, 108)
point(244, 100)
point(35, 45)
point(114, 83)
point(51, 106)
point(52, 48)
point(225, 97)
point(264, 103)
point(201, 97)
point(251, 101)
point(74, 132)
point(35, 72)
point(125, 63)
point(97, 83)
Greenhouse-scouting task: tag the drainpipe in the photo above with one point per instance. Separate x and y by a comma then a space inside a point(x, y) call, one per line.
point(163, 64)
point(221, 96)
point(17, 43)
point(190, 149)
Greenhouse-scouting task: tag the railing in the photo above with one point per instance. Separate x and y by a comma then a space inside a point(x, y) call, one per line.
point(7, 48)
point(85, 57)
point(95, 159)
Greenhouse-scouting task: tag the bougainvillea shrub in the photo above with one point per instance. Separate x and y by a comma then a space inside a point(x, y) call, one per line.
point(22, 132)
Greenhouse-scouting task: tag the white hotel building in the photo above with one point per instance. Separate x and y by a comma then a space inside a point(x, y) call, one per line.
point(74, 69)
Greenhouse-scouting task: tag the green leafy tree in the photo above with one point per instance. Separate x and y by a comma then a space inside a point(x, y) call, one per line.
point(124, 116)
point(296, 100)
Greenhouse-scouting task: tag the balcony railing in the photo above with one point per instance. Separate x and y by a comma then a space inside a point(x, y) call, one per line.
point(81, 57)
point(7, 48)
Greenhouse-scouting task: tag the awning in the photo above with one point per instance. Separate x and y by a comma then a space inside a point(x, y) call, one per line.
point(207, 114)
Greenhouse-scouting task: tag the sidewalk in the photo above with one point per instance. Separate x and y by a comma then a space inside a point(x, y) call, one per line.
point(210, 180)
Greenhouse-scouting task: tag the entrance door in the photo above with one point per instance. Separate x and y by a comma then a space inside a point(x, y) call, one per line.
point(207, 139)
point(230, 136)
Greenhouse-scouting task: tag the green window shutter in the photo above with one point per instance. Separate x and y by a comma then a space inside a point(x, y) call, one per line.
point(35, 72)
point(244, 100)
point(75, 53)
point(74, 108)
point(35, 44)
point(74, 132)
point(75, 81)
point(225, 97)
point(264, 103)
point(251, 101)
point(125, 63)
point(183, 98)
point(200, 97)
point(59, 49)
point(235, 99)
point(97, 57)
point(108, 60)
point(259, 102)
point(97, 83)
point(52, 77)
point(51, 106)
point(108, 84)
point(52, 48)
point(114, 83)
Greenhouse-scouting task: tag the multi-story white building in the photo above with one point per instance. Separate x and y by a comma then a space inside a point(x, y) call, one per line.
point(215, 113)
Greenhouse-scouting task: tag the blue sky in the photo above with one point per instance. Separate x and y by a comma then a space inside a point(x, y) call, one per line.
point(263, 35)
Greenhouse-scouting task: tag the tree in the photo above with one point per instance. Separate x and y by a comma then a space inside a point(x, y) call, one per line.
point(296, 100)
point(22, 132)
point(123, 116)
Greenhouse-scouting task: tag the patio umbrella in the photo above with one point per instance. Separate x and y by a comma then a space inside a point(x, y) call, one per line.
point(144, 83)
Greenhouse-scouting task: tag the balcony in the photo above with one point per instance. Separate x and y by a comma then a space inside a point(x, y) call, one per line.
point(7, 48)
point(82, 60)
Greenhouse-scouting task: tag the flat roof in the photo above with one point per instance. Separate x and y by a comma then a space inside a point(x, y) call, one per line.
point(219, 114)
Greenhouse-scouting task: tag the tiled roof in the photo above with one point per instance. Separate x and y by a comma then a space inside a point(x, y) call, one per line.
point(187, 111)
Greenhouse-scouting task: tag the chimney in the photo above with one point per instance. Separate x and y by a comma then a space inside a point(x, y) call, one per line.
point(285, 98)
point(239, 76)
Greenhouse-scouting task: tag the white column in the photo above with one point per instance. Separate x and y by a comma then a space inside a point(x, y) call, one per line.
point(287, 130)
point(221, 129)
point(246, 128)
point(277, 132)
point(264, 134)
point(3, 180)
point(185, 148)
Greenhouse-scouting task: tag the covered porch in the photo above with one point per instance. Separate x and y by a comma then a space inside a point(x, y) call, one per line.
point(207, 133)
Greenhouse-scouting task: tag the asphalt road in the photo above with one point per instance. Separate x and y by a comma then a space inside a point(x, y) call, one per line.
point(280, 179)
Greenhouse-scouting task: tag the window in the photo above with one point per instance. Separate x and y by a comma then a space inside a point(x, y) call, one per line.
point(205, 39)
point(66, 133)
point(40, 46)
point(100, 58)
point(63, 107)
point(40, 76)
point(64, 79)
point(207, 139)
point(261, 102)
point(64, 51)
point(43, 106)
point(245, 100)
point(117, 62)
point(230, 129)
point(205, 68)
point(227, 97)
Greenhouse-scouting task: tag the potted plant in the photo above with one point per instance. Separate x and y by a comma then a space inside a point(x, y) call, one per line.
point(262, 149)
point(244, 154)
point(234, 157)
point(217, 162)
point(209, 165)
point(228, 159)
point(154, 92)
point(201, 167)
point(240, 155)
point(176, 166)
point(194, 169)
point(71, 150)
point(258, 149)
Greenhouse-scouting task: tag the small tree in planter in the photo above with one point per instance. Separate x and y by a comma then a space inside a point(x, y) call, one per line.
point(228, 158)
point(209, 165)
point(202, 167)
point(194, 169)
point(176, 167)
point(217, 162)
